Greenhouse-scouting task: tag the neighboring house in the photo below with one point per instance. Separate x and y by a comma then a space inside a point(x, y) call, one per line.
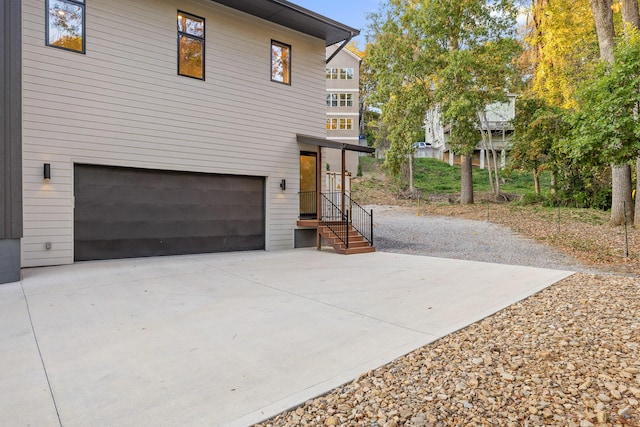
point(142, 128)
point(343, 105)
point(499, 121)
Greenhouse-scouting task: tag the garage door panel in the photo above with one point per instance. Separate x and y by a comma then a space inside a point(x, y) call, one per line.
point(113, 249)
point(125, 212)
point(179, 213)
point(111, 230)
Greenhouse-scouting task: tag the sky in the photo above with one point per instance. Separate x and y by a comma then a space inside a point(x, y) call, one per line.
point(349, 12)
point(352, 13)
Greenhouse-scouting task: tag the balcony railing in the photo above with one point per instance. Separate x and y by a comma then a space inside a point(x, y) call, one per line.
point(308, 202)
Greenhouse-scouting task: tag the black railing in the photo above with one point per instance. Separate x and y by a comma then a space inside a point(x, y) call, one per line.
point(332, 215)
point(334, 219)
point(308, 202)
point(361, 220)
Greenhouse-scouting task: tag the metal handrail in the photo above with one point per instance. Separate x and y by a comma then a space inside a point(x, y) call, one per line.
point(335, 220)
point(361, 220)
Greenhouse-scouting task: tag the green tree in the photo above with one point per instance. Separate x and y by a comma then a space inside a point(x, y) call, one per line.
point(603, 13)
point(451, 54)
point(538, 127)
point(606, 128)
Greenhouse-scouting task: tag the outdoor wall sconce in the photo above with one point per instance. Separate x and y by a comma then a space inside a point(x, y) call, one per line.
point(47, 171)
point(283, 185)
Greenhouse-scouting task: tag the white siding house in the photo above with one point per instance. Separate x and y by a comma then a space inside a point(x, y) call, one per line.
point(343, 105)
point(122, 104)
point(499, 117)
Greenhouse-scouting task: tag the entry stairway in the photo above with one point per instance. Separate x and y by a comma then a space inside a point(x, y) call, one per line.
point(346, 243)
point(348, 230)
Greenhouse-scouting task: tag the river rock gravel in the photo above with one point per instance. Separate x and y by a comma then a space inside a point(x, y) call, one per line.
point(567, 356)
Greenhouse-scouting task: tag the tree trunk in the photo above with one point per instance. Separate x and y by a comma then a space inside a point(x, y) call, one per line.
point(631, 18)
point(412, 188)
point(620, 174)
point(637, 209)
point(603, 16)
point(630, 14)
point(485, 146)
point(466, 193)
point(487, 138)
point(496, 170)
point(493, 165)
point(621, 194)
point(487, 154)
point(536, 180)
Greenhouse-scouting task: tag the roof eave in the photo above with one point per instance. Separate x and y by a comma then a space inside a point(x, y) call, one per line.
point(292, 16)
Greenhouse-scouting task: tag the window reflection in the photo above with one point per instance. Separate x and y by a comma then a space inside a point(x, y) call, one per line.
point(280, 62)
point(65, 24)
point(190, 46)
point(339, 73)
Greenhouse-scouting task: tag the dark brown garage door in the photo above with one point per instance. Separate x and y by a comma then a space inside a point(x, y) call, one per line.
point(127, 213)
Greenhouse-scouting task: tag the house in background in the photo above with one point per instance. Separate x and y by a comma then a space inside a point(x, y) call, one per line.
point(499, 122)
point(343, 105)
point(158, 127)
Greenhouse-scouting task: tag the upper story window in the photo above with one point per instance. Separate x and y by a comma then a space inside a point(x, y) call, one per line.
point(339, 100)
point(340, 73)
point(65, 24)
point(280, 62)
point(190, 46)
point(339, 124)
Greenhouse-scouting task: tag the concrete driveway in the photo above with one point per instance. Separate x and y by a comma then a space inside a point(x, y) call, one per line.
point(226, 339)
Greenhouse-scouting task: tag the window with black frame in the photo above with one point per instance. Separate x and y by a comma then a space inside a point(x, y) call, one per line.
point(65, 25)
point(280, 62)
point(190, 45)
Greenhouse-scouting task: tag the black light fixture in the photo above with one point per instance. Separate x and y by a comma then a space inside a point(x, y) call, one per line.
point(283, 185)
point(47, 171)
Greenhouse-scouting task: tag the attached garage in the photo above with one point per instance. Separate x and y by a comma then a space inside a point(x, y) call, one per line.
point(129, 212)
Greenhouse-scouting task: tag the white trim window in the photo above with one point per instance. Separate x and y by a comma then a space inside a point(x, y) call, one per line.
point(339, 100)
point(346, 100)
point(339, 124)
point(340, 74)
point(346, 124)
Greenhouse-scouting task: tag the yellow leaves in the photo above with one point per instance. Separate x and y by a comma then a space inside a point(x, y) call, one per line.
point(616, 7)
point(353, 47)
point(563, 38)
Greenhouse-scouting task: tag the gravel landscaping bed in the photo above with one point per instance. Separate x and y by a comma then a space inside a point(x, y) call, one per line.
point(567, 356)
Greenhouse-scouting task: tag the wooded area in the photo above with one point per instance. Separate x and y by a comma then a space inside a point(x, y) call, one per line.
point(574, 64)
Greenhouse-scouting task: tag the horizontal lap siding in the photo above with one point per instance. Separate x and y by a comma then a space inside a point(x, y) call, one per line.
point(122, 104)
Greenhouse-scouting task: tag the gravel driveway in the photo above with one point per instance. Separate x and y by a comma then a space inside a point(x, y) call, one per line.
point(399, 229)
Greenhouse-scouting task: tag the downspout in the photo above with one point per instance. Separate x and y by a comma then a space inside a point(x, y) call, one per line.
point(343, 179)
point(318, 198)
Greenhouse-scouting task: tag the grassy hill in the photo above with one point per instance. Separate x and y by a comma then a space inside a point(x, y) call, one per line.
point(434, 177)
